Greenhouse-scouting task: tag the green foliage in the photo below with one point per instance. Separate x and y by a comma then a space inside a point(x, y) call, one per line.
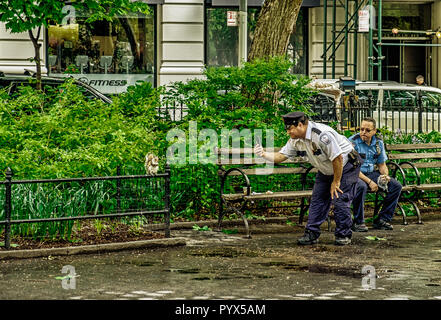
point(24, 15)
point(254, 96)
point(60, 134)
point(204, 228)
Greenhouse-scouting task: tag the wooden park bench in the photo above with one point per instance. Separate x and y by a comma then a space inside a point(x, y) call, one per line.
point(237, 168)
point(420, 166)
point(240, 165)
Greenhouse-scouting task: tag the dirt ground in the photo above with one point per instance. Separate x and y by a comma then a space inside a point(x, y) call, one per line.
point(86, 233)
point(404, 264)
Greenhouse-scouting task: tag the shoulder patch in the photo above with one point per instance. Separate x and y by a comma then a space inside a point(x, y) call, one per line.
point(316, 130)
point(324, 138)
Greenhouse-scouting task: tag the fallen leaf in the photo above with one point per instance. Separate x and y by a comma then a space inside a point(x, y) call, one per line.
point(375, 238)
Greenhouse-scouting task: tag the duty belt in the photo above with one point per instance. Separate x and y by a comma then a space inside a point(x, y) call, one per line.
point(354, 158)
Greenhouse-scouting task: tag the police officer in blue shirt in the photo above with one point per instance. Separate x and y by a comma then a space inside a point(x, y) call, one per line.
point(338, 167)
point(371, 148)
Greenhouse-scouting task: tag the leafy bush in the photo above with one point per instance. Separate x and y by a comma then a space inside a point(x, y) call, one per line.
point(60, 134)
point(252, 97)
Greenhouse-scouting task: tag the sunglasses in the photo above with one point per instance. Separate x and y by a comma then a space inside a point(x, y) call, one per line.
point(365, 129)
point(288, 125)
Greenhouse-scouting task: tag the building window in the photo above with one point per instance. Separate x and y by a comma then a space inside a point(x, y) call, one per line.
point(406, 16)
point(222, 41)
point(298, 44)
point(102, 52)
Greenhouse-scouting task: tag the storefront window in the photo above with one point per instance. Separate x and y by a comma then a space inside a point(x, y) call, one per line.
point(223, 41)
point(108, 55)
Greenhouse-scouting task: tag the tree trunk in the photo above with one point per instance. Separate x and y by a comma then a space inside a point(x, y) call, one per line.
point(274, 27)
point(136, 52)
point(37, 59)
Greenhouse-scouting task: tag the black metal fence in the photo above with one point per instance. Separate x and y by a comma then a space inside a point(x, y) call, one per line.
point(399, 115)
point(61, 200)
point(402, 115)
point(172, 111)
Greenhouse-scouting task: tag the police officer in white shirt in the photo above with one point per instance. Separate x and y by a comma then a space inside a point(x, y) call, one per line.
point(338, 165)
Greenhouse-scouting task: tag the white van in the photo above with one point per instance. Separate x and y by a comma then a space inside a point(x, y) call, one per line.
point(401, 107)
point(404, 107)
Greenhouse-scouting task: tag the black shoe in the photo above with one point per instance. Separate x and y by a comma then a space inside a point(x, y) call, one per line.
point(342, 241)
point(382, 225)
point(359, 227)
point(308, 238)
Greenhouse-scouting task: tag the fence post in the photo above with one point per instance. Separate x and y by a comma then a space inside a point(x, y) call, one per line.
point(8, 208)
point(118, 189)
point(167, 200)
point(420, 111)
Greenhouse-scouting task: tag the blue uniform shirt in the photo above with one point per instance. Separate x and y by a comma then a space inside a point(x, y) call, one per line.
point(373, 154)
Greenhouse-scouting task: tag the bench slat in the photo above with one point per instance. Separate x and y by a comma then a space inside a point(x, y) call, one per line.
point(280, 195)
point(407, 188)
point(413, 156)
point(242, 151)
point(266, 171)
point(270, 196)
point(253, 161)
point(428, 187)
point(421, 165)
point(405, 147)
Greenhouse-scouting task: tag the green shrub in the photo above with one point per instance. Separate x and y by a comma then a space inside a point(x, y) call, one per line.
point(252, 97)
point(72, 137)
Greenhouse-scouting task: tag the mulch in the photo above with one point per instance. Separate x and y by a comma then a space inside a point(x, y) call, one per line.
point(87, 234)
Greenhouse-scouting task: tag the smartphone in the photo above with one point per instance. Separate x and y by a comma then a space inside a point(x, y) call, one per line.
point(258, 141)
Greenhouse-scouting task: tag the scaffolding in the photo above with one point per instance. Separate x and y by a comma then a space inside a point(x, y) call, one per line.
point(350, 27)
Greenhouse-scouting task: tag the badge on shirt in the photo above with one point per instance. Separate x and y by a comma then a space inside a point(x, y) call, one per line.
point(324, 138)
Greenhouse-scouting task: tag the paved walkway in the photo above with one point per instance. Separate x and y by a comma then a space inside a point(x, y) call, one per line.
point(404, 264)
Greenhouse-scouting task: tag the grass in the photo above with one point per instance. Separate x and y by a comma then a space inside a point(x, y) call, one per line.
point(74, 199)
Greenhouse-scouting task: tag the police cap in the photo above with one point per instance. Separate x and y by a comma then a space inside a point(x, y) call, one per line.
point(293, 118)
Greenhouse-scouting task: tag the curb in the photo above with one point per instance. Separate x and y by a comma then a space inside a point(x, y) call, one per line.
point(214, 222)
point(99, 248)
point(142, 244)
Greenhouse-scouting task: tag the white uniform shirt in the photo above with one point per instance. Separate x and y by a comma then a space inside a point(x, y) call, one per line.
point(319, 149)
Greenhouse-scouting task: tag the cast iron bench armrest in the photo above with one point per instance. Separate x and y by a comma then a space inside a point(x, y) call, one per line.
point(225, 175)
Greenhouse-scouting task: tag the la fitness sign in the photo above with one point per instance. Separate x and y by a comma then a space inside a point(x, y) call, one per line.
point(110, 83)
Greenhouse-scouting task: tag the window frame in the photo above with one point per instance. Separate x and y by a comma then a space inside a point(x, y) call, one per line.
point(305, 31)
point(153, 7)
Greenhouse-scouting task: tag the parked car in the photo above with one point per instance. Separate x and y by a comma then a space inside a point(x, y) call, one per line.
point(408, 107)
point(12, 82)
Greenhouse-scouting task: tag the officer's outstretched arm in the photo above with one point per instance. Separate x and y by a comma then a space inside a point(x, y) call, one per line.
point(275, 157)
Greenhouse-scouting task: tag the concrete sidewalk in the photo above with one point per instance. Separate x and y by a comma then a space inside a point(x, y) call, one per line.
point(404, 264)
